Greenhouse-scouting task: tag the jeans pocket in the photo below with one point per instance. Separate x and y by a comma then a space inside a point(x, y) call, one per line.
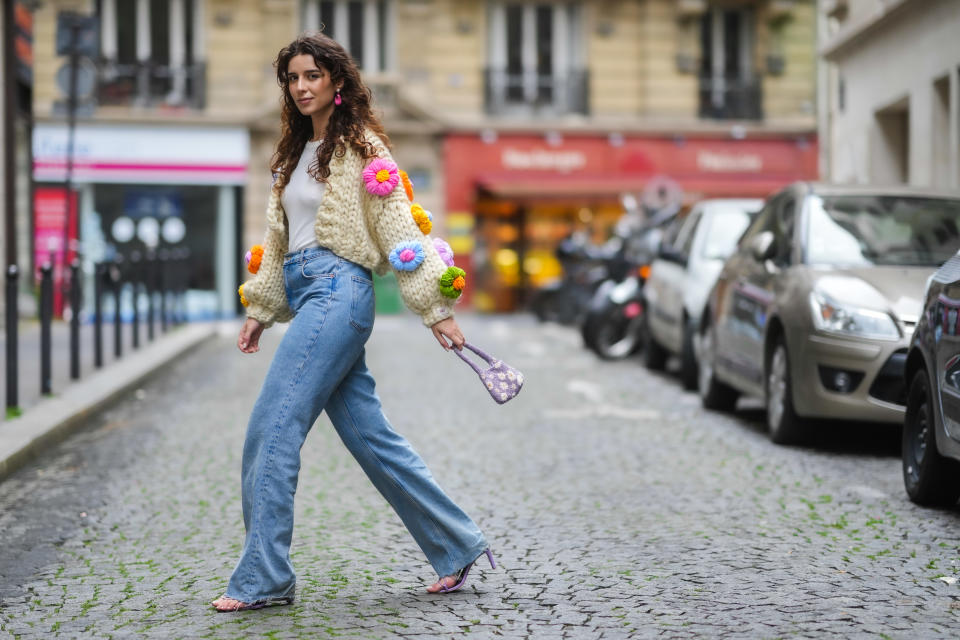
point(361, 304)
point(318, 267)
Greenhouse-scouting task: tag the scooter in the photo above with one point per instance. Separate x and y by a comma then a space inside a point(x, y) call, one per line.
point(614, 324)
point(566, 300)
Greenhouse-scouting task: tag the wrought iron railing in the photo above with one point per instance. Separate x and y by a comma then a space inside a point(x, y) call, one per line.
point(731, 97)
point(536, 93)
point(151, 85)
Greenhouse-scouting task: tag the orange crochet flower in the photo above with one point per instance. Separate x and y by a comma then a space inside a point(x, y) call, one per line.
point(407, 184)
point(256, 255)
point(422, 218)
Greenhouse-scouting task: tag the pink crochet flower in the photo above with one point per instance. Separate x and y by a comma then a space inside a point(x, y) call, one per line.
point(446, 253)
point(380, 177)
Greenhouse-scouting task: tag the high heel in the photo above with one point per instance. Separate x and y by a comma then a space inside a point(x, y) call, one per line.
point(463, 573)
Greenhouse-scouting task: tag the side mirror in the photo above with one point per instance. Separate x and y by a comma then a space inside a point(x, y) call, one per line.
point(763, 246)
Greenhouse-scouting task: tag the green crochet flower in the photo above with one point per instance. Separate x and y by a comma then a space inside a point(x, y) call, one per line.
point(452, 282)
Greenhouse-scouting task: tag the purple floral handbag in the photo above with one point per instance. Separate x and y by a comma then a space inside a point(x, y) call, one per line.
point(502, 381)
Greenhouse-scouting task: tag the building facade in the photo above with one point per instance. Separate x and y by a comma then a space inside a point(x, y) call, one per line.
point(518, 121)
point(891, 103)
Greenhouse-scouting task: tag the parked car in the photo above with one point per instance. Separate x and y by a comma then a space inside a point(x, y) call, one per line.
point(815, 310)
point(931, 426)
point(681, 278)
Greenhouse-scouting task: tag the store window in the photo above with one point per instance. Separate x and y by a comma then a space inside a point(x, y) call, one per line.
point(535, 59)
point(151, 53)
point(138, 219)
point(730, 86)
point(363, 27)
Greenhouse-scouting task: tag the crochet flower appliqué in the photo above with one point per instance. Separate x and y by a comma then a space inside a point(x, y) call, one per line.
point(253, 258)
point(243, 299)
point(422, 217)
point(446, 253)
point(452, 282)
point(407, 184)
point(407, 256)
point(380, 177)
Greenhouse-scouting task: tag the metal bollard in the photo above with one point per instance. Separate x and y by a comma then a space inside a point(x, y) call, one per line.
point(99, 275)
point(75, 320)
point(13, 365)
point(164, 283)
point(150, 282)
point(46, 317)
point(115, 280)
point(135, 285)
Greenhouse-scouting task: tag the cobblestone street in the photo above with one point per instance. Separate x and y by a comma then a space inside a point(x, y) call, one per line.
point(615, 506)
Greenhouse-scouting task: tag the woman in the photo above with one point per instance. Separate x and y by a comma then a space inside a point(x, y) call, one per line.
point(335, 213)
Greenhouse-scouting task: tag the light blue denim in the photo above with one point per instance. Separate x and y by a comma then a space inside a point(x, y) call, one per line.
point(319, 365)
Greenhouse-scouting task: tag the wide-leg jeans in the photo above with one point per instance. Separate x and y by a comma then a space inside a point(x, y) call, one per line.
point(319, 365)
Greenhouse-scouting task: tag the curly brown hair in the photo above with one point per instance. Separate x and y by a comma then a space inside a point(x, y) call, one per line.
point(347, 122)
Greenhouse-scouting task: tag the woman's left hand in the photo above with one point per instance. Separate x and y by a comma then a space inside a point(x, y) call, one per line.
point(448, 328)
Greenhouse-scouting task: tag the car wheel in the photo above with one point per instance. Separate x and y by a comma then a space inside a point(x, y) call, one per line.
point(929, 478)
point(654, 356)
point(782, 421)
point(713, 393)
point(688, 360)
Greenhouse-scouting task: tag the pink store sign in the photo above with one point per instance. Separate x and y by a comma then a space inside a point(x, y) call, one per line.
point(51, 221)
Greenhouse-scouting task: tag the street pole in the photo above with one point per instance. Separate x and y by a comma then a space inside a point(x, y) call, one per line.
point(9, 205)
point(68, 182)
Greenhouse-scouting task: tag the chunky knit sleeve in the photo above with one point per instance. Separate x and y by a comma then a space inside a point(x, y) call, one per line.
point(265, 296)
point(410, 252)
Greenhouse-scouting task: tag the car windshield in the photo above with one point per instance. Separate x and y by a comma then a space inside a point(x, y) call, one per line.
point(882, 230)
point(727, 223)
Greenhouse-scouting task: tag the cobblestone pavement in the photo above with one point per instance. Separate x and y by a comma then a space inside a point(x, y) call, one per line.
point(615, 505)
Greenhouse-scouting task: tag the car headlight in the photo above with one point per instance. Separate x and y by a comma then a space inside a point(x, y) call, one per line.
point(830, 315)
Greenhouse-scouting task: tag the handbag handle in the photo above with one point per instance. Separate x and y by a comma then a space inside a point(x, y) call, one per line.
point(470, 362)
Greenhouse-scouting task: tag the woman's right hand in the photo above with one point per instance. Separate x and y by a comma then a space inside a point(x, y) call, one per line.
point(249, 340)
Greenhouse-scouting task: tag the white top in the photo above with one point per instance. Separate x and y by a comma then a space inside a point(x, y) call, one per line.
point(301, 199)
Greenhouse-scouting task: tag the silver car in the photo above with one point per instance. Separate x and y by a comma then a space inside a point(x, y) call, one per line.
point(814, 311)
point(683, 274)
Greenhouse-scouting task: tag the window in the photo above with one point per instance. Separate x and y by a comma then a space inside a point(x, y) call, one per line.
point(729, 84)
point(361, 26)
point(536, 60)
point(152, 52)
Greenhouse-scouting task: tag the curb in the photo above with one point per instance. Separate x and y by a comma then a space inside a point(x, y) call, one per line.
point(53, 419)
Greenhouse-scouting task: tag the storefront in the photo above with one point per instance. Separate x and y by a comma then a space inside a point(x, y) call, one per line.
point(144, 188)
point(512, 198)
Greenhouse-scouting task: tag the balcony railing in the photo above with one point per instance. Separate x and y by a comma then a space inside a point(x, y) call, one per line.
point(533, 93)
point(731, 98)
point(150, 85)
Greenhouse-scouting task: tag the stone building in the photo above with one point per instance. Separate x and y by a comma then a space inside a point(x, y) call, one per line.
point(890, 111)
point(518, 121)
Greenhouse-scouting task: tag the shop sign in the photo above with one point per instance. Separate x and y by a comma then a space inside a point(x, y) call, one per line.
point(150, 154)
point(729, 162)
point(51, 221)
point(543, 159)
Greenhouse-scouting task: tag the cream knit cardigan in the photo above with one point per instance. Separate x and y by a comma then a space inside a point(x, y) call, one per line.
point(358, 226)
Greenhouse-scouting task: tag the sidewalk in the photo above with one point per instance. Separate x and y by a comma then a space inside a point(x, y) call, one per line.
point(47, 420)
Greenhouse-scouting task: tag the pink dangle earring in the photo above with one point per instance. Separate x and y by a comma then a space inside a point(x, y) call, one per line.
point(337, 100)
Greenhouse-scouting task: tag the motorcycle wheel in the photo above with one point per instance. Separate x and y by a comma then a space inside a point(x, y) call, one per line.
point(612, 333)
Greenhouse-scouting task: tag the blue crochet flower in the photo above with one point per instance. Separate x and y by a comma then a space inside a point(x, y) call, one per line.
point(407, 256)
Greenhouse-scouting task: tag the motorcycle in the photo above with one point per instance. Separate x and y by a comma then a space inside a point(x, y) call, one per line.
point(566, 300)
point(614, 324)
